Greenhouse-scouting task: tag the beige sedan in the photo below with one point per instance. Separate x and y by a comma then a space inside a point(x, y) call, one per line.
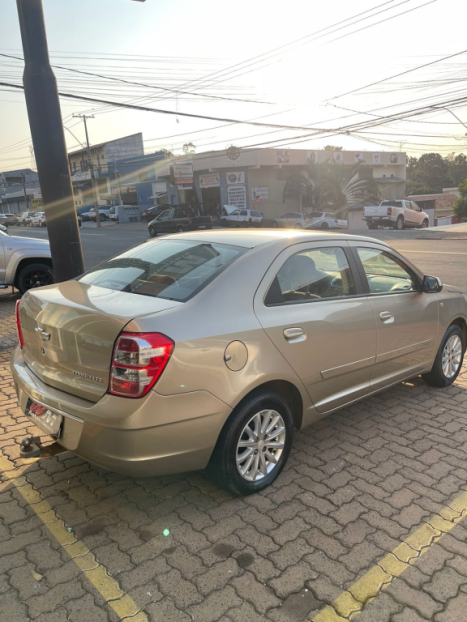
point(211, 348)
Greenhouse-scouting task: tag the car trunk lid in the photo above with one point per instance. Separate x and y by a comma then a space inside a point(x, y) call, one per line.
point(70, 329)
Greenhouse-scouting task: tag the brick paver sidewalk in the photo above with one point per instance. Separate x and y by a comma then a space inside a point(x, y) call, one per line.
point(356, 486)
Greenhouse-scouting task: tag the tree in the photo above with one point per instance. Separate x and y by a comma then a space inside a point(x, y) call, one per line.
point(332, 148)
point(299, 187)
point(337, 187)
point(460, 206)
point(457, 166)
point(189, 148)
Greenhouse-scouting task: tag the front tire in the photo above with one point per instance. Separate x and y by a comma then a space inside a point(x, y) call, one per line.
point(152, 232)
point(449, 358)
point(275, 224)
point(224, 222)
point(372, 226)
point(325, 225)
point(179, 230)
point(425, 224)
point(254, 444)
point(34, 275)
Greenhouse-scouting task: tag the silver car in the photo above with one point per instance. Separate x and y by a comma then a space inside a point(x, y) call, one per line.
point(292, 220)
point(211, 348)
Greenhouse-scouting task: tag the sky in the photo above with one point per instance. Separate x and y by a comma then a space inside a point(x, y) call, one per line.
point(202, 58)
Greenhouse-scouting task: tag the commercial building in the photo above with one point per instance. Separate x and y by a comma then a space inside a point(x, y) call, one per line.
point(255, 178)
point(19, 191)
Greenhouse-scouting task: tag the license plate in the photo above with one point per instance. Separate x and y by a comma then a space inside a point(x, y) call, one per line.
point(202, 226)
point(46, 419)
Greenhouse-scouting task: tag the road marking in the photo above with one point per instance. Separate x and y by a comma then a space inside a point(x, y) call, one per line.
point(123, 605)
point(432, 252)
point(380, 576)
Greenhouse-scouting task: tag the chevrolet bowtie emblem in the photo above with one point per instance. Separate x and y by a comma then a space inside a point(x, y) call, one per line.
point(42, 333)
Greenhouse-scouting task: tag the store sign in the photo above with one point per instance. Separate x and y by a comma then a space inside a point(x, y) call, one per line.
point(259, 195)
point(235, 177)
point(338, 157)
point(237, 196)
point(36, 203)
point(183, 173)
point(210, 180)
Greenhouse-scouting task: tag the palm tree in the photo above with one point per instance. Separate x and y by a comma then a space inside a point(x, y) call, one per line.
point(338, 188)
point(299, 187)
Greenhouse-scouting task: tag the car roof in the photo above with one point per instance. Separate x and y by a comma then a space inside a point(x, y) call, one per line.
point(257, 237)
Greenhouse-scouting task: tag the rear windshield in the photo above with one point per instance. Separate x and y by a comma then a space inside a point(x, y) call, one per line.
point(255, 214)
point(392, 203)
point(170, 269)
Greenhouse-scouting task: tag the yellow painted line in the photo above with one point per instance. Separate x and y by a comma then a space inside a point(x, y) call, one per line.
point(433, 252)
point(380, 576)
point(123, 605)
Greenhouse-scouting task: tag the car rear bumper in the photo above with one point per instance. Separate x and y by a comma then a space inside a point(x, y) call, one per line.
point(380, 220)
point(155, 435)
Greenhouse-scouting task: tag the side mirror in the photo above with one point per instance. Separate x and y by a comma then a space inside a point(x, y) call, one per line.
point(431, 284)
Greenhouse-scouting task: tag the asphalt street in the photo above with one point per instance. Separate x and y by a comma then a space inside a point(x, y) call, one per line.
point(437, 252)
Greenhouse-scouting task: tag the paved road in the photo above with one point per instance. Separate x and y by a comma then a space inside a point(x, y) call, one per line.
point(436, 252)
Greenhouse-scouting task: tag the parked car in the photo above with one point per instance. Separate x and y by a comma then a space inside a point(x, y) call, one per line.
point(396, 214)
point(4, 229)
point(38, 220)
point(243, 218)
point(151, 212)
point(104, 213)
point(9, 219)
point(24, 219)
point(212, 347)
point(326, 220)
point(293, 220)
point(24, 262)
point(178, 219)
point(79, 219)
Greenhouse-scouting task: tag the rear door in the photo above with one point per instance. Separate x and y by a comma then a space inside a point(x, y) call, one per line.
point(312, 306)
point(406, 317)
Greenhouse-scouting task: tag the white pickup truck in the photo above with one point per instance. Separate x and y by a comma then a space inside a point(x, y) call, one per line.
point(398, 214)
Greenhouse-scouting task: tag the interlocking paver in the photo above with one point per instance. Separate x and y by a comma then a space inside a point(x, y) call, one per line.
point(358, 483)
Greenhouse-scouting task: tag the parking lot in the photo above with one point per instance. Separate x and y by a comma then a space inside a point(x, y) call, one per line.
point(366, 522)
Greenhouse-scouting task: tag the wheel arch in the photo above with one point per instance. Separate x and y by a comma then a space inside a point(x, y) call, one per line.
point(287, 390)
point(14, 267)
point(460, 321)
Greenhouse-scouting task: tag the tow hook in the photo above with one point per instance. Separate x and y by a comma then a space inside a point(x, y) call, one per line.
point(30, 447)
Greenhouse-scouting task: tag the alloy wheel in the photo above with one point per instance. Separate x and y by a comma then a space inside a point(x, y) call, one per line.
point(260, 445)
point(38, 278)
point(452, 356)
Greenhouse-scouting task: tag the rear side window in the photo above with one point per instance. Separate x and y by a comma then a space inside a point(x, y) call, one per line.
point(170, 269)
point(392, 203)
point(312, 275)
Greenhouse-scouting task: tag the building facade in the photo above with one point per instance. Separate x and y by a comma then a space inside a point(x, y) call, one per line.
point(255, 178)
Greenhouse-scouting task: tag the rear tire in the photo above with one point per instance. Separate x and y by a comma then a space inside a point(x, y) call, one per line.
point(34, 275)
point(298, 226)
point(275, 224)
point(372, 226)
point(224, 222)
point(261, 407)
point(152, 232)
point(179, 229)
point(400, 223)
point(324, 225)
point(449, 358)
point(244, 224)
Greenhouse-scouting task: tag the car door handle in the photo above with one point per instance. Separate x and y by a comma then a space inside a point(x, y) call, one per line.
point(294, 335)
point(386, 317)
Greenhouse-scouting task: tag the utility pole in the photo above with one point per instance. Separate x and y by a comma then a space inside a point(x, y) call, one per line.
point(24, 191)
point(117, 177)
point(45, 121)
point(95, 196)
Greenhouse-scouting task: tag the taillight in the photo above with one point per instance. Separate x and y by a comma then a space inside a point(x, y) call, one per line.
point(250, 219)
point(389, 212)
point(137, 363)
point(18, 325)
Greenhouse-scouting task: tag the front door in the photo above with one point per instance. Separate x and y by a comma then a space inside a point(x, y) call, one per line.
point(405, 316)
point(312, 306)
